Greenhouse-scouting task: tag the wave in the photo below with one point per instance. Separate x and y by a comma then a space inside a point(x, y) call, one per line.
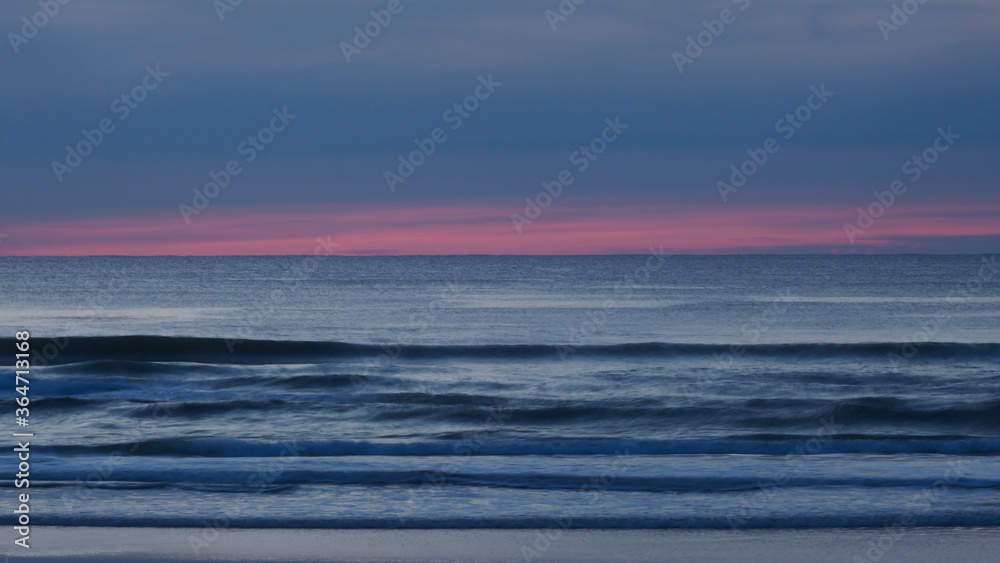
point(235, 481)
point(770, 445)
point(218, 350)
point(653, 414)
point(568, 518)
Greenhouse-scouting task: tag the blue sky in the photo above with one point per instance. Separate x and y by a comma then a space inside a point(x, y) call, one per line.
point(557, 86)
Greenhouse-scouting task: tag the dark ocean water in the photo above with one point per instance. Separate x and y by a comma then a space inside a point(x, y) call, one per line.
point(625, 391)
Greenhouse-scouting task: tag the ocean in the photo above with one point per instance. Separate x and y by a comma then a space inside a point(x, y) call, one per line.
point(640, 391)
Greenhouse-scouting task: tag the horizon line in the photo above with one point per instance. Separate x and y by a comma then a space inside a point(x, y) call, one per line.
point(719, 254)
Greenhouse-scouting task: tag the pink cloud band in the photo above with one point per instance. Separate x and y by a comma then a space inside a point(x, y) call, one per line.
point(594, 228)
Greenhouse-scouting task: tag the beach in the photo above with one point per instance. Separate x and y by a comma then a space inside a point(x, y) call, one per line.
point(917, 545)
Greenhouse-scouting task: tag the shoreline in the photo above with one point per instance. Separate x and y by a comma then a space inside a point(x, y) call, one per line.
point(58, 544)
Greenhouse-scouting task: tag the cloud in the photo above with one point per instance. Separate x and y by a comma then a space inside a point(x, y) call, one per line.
point(608, 58)
point(595, 227)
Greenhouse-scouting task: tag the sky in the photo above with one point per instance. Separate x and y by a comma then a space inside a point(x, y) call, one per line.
point(199, 127)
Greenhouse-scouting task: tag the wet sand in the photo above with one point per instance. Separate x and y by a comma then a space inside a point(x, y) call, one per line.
point(913, 545)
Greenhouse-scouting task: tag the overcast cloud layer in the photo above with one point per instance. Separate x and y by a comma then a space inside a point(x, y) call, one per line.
point(940, 69)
